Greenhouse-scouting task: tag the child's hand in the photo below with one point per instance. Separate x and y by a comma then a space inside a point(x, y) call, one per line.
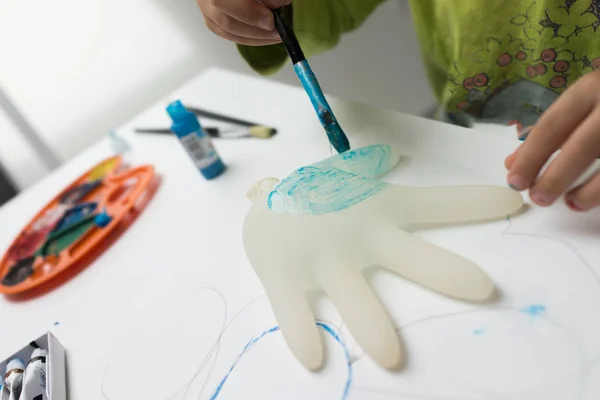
point(248, 22)
point(572, 123)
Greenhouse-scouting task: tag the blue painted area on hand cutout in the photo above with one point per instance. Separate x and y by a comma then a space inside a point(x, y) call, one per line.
point(534, 310)
point(247, 347)
point(333, 184)
point(370, 161)
point(335, 134)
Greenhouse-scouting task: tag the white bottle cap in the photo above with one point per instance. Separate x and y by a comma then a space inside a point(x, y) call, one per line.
point(39, 352)
point(15, 363)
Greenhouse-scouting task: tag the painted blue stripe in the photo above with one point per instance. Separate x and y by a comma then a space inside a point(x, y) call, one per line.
point(247, 347)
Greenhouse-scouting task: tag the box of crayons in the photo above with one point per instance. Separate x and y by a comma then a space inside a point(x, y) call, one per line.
point(36, 372)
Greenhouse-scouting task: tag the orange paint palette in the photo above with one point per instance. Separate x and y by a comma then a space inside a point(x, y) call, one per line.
point(76, 224)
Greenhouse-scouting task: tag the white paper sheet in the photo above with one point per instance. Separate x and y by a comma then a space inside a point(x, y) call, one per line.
point(537, 342)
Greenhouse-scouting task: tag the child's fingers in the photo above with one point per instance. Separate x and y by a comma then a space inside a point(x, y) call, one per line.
point(577, 154)
point(247, 11)
point(586, 196)
point(249, 41)
point(551, 131)
point(509, 161)
point(238, 28)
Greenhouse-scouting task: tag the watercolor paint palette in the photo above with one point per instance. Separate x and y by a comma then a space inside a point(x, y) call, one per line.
point(74, 224)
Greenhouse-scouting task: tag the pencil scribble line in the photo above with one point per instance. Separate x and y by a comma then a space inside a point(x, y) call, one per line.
point(576, 252)
point(211, 350)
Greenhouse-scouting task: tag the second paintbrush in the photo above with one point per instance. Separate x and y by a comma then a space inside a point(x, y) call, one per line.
point(260, 132)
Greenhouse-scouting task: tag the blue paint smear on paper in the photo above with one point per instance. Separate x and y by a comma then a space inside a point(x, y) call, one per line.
point(534, 310)
point(325, 327)
point(333, 184)
point(479, 332)
point(335, 134)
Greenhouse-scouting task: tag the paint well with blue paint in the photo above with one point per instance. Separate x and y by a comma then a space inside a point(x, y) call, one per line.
point(329, 330)
point(335, 133)
point(333, 184)
point(534, 310)
point(103, 219)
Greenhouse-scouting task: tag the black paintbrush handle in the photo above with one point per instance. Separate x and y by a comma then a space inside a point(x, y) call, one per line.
point(288, 37)
point(210, 131)
point(223, 118)
point(165, 131)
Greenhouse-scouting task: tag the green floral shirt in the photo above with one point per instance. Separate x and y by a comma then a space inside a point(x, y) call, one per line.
point(502, 61)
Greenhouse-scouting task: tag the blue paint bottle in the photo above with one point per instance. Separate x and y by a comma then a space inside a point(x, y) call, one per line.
point(197, 143)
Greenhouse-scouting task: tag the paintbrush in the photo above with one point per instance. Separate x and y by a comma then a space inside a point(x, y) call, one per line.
point(259, 132)
point(336, 135)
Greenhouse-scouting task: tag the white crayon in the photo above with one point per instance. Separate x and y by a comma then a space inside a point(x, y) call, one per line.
point(34, 378)
point(13, 379)
point(3, 389)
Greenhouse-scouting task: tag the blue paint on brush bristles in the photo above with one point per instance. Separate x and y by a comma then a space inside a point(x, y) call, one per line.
point(335, 133)
point(253, 341)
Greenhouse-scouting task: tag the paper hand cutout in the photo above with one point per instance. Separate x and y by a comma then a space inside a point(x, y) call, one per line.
point(324, 224)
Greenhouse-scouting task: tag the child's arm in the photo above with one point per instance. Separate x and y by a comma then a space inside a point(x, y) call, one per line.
point(572, 124)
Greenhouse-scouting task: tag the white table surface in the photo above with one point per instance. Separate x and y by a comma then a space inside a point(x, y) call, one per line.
point(189, 237)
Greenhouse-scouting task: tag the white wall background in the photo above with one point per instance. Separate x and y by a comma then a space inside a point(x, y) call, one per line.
point(77, 68)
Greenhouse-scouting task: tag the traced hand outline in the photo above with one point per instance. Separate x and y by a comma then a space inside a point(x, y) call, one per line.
point(324, 224)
